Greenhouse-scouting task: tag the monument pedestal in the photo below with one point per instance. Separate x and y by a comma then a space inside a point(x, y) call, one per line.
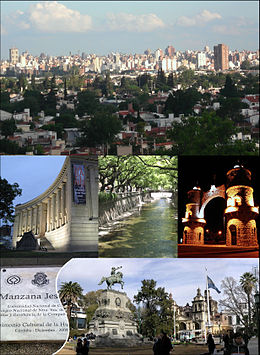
point(113, 322)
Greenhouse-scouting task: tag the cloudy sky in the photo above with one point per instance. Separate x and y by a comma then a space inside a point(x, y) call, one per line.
point(34, 174)
point(58, 27)
point(181, 277)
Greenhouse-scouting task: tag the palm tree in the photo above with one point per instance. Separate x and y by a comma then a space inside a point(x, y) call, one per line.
point(248, 281)
point(69, 294)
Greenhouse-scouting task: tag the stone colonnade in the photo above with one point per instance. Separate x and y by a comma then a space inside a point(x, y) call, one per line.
point(44, 215)
point(64, 217)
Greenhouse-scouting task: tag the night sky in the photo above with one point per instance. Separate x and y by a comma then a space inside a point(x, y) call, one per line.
point(205, 171)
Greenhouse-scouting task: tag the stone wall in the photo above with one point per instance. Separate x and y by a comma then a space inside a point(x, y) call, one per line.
point(112, 210)
point(26, 348)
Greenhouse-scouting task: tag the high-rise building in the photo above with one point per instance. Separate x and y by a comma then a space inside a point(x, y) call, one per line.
point(221, 57)
point(170, 50)
point(201, 59)
point(14, 55)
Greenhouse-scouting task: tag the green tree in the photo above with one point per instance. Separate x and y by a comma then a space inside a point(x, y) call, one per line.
point(22, 82)
point(248, 282)
point(229, 89)
point(8, 192)
point(87, 103)
point(171, 81)
point(101, 129)
point(207, 134)
point(70, 293)
point(139, 172)
point(8, 127)
point(186, 78)
point(182, 101)
point(90, 302)
point(9, 147)
point(158, 310)
point(33, 85)
point(231, 107)
point(245, 65)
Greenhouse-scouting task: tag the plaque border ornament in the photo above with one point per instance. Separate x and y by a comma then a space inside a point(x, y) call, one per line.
point(40, 279)
point(9, 282)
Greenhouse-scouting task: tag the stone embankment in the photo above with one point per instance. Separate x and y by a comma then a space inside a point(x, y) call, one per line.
point(125, 202)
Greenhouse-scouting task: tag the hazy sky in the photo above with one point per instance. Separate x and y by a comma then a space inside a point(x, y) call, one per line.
point(181, 277)
point(58, 27)
point(34, 174)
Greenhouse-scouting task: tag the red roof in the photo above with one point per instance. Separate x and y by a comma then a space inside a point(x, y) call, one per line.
point(252, 98)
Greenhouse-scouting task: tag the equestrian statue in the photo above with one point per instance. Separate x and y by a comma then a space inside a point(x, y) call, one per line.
point(115, 278)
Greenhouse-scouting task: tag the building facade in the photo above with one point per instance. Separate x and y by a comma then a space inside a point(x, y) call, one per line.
point(65, 216)
point(13, 55)
point(240, 213)
point(221, 57)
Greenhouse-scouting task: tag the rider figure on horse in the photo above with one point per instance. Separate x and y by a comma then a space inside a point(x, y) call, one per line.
point(113, 270)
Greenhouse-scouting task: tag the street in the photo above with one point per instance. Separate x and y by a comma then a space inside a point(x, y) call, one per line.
point(192, 251)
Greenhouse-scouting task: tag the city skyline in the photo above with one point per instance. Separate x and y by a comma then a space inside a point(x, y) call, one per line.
point(57, 28)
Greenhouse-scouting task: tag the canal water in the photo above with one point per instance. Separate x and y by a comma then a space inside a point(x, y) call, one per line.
point(151, 231)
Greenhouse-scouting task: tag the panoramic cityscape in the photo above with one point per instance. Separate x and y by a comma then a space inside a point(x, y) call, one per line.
point(129, 188)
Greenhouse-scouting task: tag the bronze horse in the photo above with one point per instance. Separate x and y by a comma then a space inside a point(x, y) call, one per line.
point(113, 279)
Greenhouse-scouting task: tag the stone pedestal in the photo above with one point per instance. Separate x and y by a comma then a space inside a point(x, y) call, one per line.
point(113, 322)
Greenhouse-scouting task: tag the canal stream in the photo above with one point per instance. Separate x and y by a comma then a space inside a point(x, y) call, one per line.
point(151, 231)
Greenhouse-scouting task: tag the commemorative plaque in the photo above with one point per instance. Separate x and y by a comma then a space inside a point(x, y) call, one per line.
point(30, 307)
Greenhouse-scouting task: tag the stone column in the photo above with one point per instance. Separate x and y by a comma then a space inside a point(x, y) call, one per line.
point(41, 221)
point(20, 223)
point(58, 223)
point(26, 220)
point(65, 210)
point(24, 216)
point(29, 227)
point(34, 222)
point(62, 203)
point(48, 214)
point(52, 212)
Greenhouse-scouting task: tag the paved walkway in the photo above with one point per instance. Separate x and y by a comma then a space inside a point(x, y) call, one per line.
point(147, 350)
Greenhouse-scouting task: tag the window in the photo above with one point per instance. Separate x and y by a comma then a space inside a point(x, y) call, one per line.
point(81, 323)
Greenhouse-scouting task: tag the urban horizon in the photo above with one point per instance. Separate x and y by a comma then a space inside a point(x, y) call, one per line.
point(112, 52)
point(60, 27)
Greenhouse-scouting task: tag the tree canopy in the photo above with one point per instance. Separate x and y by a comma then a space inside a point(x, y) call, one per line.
point(123, 173)
point(157, 314)
point(101, 129)
point(237, 294)
point(208, 134)
point(70, 293)
point(8, 192)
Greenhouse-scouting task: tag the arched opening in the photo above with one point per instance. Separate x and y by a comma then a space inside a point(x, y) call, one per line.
point(233, 232)
point(214, 216)
point(182, 326)
point(197, 326)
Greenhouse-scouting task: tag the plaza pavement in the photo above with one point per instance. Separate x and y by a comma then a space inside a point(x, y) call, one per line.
point(190, 349)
